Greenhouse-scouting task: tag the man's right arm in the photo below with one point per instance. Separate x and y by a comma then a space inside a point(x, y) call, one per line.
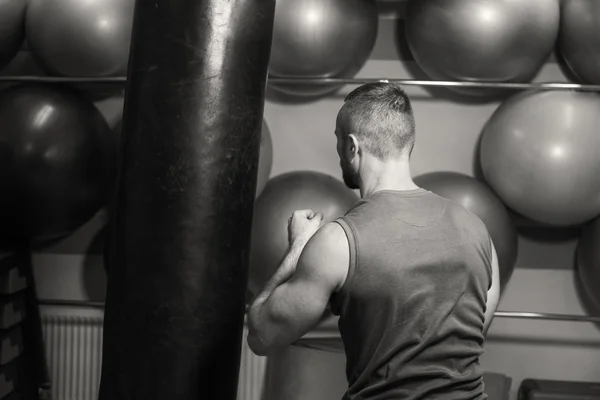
point(493, 294)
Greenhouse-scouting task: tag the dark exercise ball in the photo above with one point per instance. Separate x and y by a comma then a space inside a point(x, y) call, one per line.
point(588, 265)
point(12, 29)
point(57, 162)
point(320, 39)
point(482, 40)
point(540, 153)
point(579, 38)
point(481, 201)
point(283, 195)
point(81, 38)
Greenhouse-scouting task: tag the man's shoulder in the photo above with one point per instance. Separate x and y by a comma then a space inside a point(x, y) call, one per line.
point(327, 252)
point(330, 240)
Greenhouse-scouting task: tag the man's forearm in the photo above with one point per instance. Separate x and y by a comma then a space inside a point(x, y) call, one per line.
point(283, 273)
point(257, 314)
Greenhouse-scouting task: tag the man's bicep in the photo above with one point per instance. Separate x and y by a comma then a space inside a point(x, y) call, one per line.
point(321, 268)
point(299, 304)
point(325, 259)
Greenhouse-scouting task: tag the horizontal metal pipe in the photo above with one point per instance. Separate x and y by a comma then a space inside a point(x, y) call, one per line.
point(71, 303)
point(546, 316)
point(416, 82)
point(339, 81)
point(60, 79)
point(498, 314)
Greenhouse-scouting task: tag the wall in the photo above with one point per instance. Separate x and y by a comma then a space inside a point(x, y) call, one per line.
point(303, 139)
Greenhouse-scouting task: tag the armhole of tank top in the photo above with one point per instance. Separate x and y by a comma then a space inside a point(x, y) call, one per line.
point(490, 255)
point(353, 255)
point(491, 260)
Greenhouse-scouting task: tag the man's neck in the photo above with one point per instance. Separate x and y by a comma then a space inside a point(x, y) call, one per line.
point(398, 186)
point(377, 175)
point(397, 180)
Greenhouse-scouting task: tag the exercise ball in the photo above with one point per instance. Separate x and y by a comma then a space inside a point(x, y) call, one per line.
point(81, 38)
point(481, 40)
point(579, 39)
point(283, 195)
point(12, 29)
point(588, 265)
point(481, 201)
point(540, 153)
point(57, 161)
point(320, 39)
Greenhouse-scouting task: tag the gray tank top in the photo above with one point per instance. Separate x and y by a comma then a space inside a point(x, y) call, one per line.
point(412, 309)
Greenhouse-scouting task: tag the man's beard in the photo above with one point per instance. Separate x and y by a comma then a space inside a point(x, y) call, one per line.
point(350, 179)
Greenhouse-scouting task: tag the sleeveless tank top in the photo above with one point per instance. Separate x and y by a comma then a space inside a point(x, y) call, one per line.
point(412, 306)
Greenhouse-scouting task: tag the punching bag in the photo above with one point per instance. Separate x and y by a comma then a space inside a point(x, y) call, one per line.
point(185, 197)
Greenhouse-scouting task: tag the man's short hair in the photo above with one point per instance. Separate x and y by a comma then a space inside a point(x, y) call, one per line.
point(380, 114)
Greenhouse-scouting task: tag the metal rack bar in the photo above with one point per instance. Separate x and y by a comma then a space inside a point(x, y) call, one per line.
point(71, 303)
point(339, 81)
point(546, 316)
point(416, 82)
point(58, 79)
point(498, 314)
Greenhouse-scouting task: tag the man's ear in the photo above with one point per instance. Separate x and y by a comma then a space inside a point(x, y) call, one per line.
point(352, 145)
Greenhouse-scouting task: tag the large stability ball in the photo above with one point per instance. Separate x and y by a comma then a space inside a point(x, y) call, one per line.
point(588, 265)
point(81, 38)
point(481, 40)
point(481, 201)
point(321, 39)
point(540, 153)
point(57, 162)
point(282, 196)
point(12, 28)
point(579, 38)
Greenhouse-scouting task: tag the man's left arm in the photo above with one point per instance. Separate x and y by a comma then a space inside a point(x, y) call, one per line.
point(283, 314)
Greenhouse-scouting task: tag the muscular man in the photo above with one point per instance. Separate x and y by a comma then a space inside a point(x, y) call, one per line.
point(412, 276)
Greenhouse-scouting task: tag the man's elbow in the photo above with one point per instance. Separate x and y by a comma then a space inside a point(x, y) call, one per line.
point(257, 346)
point(260, 334)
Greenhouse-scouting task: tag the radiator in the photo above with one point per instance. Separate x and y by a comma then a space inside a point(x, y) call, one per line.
point(74, 356)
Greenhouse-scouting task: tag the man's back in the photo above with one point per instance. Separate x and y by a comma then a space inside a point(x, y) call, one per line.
point(412, 307)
